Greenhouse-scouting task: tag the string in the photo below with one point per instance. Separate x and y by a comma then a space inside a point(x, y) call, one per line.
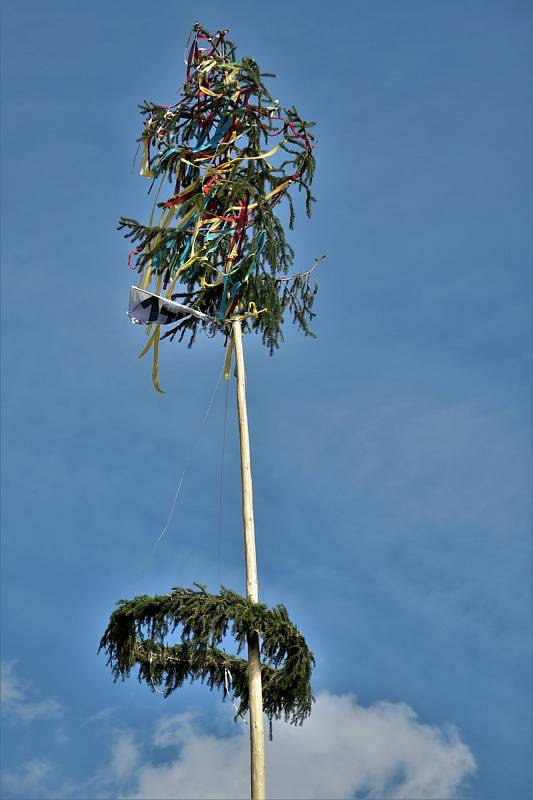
point(187, 464)
point(154, 687)
point(135, 156)
point(222, 485)
point(144, 564)
point(228, 679)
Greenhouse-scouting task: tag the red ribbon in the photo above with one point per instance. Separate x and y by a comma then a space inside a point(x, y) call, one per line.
point(130, 256)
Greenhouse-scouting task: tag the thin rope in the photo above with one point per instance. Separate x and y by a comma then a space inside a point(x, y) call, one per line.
point(187, 464)
point(154, 687)
point(228, 680)
point(221, 486)
point(135, 156)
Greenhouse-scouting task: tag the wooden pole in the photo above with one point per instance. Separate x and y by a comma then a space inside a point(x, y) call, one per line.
point(257, 737)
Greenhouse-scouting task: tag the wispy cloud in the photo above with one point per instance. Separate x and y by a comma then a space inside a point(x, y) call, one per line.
point(28, 781)
point(100, 716)
point(16, 699)
point(442, 464)
point(417, 459)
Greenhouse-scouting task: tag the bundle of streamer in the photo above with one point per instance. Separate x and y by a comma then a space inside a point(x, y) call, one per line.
point(215, 249)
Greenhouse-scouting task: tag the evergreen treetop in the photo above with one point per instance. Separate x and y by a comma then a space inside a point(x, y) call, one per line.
point(231, 155)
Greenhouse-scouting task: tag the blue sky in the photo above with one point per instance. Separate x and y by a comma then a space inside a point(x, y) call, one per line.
point(390, 455)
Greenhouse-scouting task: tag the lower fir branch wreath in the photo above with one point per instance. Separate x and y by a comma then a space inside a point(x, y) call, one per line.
point(136, 636)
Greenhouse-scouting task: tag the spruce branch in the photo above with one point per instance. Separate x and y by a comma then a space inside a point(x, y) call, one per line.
point(210, 145)
point(137, 632)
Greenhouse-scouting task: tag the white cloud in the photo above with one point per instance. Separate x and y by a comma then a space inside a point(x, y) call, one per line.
point(383, 751)
point(15, 702)
point(125, 757)
point(343, 750)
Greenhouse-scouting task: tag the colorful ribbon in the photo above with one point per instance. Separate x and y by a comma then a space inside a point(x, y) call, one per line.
point(225, 185)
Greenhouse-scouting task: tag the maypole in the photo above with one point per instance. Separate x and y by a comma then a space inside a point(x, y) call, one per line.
point(257, 737)
point(218, 240)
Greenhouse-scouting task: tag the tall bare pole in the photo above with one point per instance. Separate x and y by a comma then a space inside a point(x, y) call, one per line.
point(257, 736)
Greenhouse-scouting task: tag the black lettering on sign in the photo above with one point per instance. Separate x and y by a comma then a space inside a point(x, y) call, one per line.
point(153, 304)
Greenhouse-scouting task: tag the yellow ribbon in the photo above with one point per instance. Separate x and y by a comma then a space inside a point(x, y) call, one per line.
point(155, 367)
point(148, 344)
point(232, 161)
point(233, 73)
point(208, 66)
point(201, 252)
point(227, 362)
point(205, 90)
point(206, 285)
point(146, 170)
point(252, 312)
point(163, 222)
point(148, 268)
point(267, 197)
point(153, 341)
